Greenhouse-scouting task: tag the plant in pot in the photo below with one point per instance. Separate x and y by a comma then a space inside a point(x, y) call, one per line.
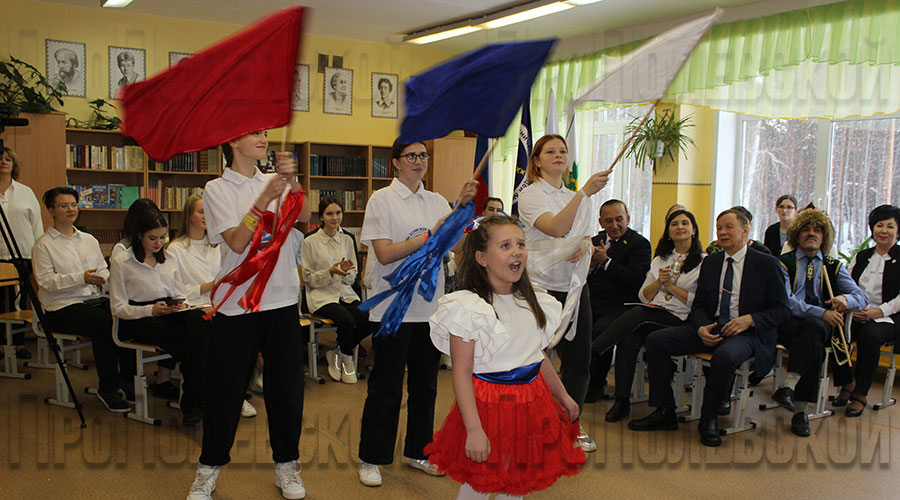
point(659, 136)
point(98, 120)
point(26, 90)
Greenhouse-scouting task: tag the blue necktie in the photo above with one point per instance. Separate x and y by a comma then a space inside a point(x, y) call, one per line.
point(725, 299)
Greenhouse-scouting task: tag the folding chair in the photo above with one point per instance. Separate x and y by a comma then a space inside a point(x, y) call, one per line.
point(10, 276)
point(741, 422)
point(778, 381)
point(886, 399)
point(67, 342)
point(153, 354)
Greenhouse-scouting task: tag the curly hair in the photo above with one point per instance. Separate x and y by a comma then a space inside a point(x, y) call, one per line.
point(815, 217)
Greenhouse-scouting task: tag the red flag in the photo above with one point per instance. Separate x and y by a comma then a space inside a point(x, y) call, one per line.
point(239, 85)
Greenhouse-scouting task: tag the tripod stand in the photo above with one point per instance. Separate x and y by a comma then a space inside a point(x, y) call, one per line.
point(24, 269)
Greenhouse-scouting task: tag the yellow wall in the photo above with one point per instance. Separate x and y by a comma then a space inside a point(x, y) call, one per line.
point(688, 180)
point(28, 23)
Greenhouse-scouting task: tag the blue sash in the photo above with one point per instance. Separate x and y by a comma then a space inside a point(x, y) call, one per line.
point(521, 375)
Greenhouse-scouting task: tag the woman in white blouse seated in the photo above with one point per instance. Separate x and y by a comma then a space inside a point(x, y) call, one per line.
point(70, 269)
point(147, 295)
point(198, 262)
point(667, 293)
point(328, 257)
point(877, 271)
point(134, 211)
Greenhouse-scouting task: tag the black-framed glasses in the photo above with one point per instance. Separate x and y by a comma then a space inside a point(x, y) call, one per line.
point(411, 157)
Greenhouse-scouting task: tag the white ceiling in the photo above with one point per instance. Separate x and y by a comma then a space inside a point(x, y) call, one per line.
point(386, 20)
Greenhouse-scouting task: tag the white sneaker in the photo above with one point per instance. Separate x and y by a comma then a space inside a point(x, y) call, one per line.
point(369, 474)
point(248, 410)
point(348, 369)
point(256, 386)
point(204, 483)
point(334, 364)
point(287, 478)
point(446, 363)
point(423, 465)
point(585, 442)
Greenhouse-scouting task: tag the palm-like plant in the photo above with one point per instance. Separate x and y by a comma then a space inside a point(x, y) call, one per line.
point(26, 90)
point(664, 130)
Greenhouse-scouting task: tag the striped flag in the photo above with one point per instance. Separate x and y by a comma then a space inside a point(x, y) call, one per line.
point(524, 154)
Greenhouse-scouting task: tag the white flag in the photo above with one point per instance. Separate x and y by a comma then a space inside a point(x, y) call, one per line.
point(551, 122)
point(570, 142)
point(645, 74)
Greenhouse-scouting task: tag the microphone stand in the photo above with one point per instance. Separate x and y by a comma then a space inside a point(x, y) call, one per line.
point(24, 271)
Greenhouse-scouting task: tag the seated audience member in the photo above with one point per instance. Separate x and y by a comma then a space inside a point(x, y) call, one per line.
point(147, 294)
point(329, 271)
point(69, 269)
point(877, 271)
point(619, 264)
point(134, 211)
point(814, 313)
point(735, 316)
point(714, 247)
point(776, 234)
point(198, 262)
point(787, 248)
point(668, 292)
point(492, 206)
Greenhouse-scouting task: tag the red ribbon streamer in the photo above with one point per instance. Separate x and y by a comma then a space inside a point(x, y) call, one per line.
point(260, 263)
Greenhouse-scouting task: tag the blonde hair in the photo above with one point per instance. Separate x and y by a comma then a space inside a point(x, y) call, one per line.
point(15, 159)
point(186, 213)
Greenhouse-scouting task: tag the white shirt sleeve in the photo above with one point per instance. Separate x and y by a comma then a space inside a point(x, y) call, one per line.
point(376, 224)
point(532, 205)
point(220, 212)
point(46, 276)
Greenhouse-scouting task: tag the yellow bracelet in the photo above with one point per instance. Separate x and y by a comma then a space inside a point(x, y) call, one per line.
point(251, 222)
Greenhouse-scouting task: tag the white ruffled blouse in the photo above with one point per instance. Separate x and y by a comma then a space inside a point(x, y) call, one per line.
point(506, 334)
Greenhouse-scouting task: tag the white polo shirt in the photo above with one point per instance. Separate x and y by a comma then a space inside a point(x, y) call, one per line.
point(59, 263)
point(226, 201)
point(538, 199)
point(199, 263)
point(395, 213)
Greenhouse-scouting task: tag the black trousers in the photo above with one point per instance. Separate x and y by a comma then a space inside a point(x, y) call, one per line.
point(93, 321)
point(184, 335)
point(230, 360)
point(601, 361)
point(628, 333)
point(805, 339)
point(727, 356)
point(409, 348)
point(575, 354)
point(869, 337)
point(352, 324)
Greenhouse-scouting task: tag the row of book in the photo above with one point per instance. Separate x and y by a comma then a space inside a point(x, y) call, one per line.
point(107, 236)
point(107, 195)
point(105, 157)
point(346, 166)
point(353, 200)
point(382, 167)
point(170, 197)
point(198, 161)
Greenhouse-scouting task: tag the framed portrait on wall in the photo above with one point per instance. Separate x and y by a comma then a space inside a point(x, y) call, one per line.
point(66, 63)
point(174, 57)
point(126, 65)
point(300, 93)
point(384, 95)
point(338, 84)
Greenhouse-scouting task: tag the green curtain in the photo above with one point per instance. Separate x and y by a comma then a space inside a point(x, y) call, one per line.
point(832, 61)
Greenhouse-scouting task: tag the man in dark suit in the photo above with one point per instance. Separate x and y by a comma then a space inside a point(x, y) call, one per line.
point(735, 316)
point(619, 264)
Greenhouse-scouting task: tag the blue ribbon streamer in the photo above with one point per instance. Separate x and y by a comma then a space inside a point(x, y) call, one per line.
point(424, 264)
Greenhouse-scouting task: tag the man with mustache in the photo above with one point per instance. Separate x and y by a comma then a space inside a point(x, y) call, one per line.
point(67, 71)
point(814, 313)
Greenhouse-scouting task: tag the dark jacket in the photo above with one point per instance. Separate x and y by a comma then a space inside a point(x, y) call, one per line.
point(772, 239)
point(762, 295)
point(622, 279)
point(890, 281)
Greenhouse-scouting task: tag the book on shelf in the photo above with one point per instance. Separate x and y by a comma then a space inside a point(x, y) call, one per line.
point(170, 197)
point(106, 195)
point(197, 161)
point(105, 236)
point(337, 166)
point(382, 167)
point(104, 157)
point(352, 200)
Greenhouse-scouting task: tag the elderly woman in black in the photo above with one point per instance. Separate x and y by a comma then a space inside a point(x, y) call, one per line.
point(877, 272)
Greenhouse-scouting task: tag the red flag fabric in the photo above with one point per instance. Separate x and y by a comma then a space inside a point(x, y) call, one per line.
point(239, 85)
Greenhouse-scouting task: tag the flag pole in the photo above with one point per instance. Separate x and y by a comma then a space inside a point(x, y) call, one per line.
point(481, 165)
point(633, 133)
point(287, 130)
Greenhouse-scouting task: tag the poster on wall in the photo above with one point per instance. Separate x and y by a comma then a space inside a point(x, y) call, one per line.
point(175, 57)
point(300, 94)
point(66, 63)
point(126, 65)
point(384, 95)
point(338, 91)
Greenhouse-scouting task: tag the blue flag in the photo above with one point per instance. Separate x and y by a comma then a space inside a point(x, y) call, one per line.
point(524, 154)
point(480, 91)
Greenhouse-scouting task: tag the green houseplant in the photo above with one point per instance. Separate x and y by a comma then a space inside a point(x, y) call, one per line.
point(659, 136)
point(26, 90)
point(98, 120)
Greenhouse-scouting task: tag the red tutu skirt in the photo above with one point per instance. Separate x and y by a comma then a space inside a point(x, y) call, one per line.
point(533, 442)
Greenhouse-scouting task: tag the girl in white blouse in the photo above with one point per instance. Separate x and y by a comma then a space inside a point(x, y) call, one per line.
point(329, 271)
point(558, 227)
point(147, 295)
point(668, 292)
point(198, 260)
point(24, 214)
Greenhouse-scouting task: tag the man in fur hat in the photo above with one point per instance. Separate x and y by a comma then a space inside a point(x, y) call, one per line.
point(814, 313)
